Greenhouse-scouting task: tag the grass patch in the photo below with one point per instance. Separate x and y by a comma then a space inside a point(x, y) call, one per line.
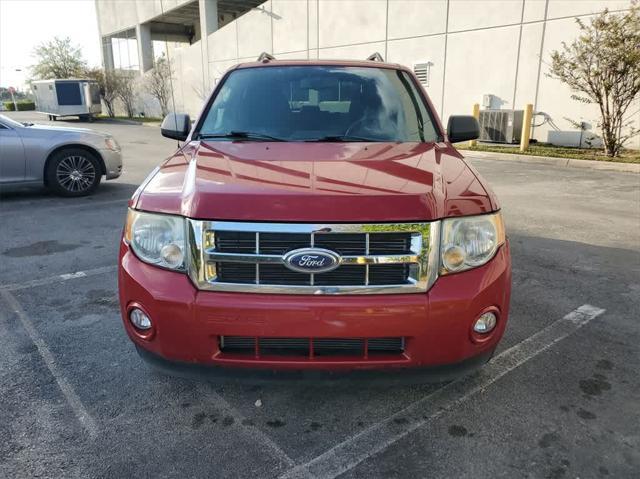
point(545, 149)
point(141, 119)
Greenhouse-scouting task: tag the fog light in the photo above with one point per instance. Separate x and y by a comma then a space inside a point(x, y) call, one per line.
point(139, 319)
point(485, 323)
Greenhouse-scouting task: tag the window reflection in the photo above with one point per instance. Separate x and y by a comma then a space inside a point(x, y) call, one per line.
point(316, 102)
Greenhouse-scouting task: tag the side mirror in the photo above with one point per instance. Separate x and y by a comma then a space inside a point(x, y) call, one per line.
point(462, 128)
point(176, 126)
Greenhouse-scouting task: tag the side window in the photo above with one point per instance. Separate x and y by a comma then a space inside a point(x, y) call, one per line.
point(68, 93)
point(94, 91)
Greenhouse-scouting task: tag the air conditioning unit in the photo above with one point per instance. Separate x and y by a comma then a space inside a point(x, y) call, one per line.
point(501, 126)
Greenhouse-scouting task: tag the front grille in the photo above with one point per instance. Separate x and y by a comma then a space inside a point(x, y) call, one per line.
point(379, 274)
point(371, 258)
point(311, 347)
point(342, 243)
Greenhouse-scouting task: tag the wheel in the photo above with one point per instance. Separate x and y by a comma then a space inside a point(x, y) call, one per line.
point(54, 118)
point(73, 172)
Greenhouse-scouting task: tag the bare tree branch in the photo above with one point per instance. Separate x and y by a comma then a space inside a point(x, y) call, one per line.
point(158, 82)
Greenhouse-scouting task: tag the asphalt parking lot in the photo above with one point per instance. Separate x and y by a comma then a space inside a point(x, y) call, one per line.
point(561, 399)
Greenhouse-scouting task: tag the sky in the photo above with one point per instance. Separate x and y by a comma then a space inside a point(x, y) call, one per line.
point(24, 24)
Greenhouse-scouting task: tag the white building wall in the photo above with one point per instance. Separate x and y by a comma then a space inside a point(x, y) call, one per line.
point(476, 47)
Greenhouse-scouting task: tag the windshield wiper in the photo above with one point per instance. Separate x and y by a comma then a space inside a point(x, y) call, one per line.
point(240, 135)
point(339, 138)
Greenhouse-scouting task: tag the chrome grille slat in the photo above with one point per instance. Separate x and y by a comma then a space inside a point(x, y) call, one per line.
point(257, 252)
point(367, 251)
point(373, 258)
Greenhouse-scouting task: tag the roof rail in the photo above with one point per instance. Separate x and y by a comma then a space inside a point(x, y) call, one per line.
point(375, 57)
point(266, 57)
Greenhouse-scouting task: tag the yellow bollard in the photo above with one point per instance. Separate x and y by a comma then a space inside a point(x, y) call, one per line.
point(476, 114)
point(526, 127)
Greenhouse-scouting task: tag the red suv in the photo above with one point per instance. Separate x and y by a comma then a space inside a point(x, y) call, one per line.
point(316, 217)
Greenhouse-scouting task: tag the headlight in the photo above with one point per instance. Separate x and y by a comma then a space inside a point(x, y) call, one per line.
point(470, 241)
point(111, 144)
point(156, 239)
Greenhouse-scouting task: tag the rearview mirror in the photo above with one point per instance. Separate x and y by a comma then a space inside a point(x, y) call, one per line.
point(176, 126)
point(462, 128)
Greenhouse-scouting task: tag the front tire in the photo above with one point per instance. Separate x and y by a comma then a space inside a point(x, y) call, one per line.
point(73, 172)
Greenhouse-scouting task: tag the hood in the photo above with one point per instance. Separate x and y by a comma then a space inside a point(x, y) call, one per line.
point(68, 129)
point(314, 182)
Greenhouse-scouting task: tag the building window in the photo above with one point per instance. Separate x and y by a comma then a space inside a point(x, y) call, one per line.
point(124, 50)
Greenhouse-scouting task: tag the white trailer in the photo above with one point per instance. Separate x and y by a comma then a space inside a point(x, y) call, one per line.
point(57, 98)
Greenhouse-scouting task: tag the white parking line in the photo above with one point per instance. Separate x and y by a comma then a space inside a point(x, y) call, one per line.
point(59, 278)
point(378, 437)
point(252, 432)
point(85, 419)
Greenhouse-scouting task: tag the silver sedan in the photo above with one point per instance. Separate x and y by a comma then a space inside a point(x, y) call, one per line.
point(70, 161)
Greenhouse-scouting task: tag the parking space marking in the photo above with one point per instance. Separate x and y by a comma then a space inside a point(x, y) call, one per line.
point(378, 437)
point(59, 278)
point(85, 419)
point(252, 432)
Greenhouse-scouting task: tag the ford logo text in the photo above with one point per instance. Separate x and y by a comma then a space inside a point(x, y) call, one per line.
point(311, 260)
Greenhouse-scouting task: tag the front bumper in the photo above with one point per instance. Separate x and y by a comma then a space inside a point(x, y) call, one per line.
point(112, 163)
point(437, 325)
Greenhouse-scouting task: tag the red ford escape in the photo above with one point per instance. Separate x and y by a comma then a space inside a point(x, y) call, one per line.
point(316, 217)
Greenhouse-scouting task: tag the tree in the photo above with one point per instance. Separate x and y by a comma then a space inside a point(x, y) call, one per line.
point(602, 66)
point(108, 82)
point(158, 82)
point(58, 58)
point(125, 88)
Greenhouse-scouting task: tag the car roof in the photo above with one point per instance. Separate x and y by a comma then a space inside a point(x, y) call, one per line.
point(319, 62)
point(64, 80)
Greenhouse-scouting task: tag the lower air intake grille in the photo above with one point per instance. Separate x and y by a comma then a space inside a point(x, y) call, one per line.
point(304, 346)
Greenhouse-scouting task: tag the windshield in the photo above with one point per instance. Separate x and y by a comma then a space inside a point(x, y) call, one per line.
point(319, 103)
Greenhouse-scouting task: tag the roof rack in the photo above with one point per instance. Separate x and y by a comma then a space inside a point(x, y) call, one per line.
point(375, 57)
point(265, 57)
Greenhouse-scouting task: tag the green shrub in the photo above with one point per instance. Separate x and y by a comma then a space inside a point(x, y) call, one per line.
point(23, 105)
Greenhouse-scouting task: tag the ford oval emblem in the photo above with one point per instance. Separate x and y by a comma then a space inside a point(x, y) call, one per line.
point(311, 260)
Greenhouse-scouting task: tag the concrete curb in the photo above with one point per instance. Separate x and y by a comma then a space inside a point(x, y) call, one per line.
point(548, 160)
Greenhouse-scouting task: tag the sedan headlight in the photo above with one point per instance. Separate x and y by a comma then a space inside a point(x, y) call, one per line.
point(111, 144)
point(470, 241)
point(157, 239)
